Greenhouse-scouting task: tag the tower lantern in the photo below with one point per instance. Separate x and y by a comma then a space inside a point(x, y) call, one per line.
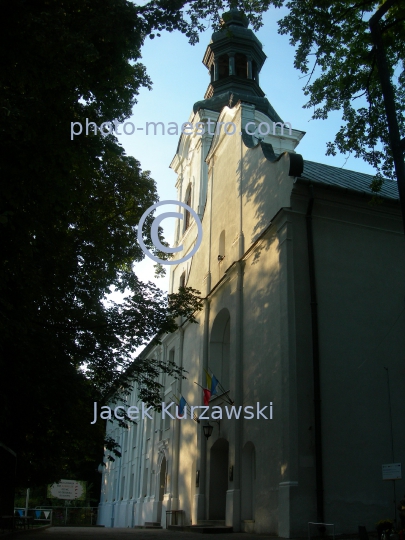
point(234, 59)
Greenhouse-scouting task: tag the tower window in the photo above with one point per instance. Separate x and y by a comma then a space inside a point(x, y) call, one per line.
point(188, 216)
point(223, 66)
point(254, 70)
point(182, 280)
point(241, 65)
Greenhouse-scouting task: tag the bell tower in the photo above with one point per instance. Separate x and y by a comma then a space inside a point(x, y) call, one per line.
point(234, 59)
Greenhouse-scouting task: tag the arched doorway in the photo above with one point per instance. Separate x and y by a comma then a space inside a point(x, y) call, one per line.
point(218, 479)
point(248, 481)
point(220, 347)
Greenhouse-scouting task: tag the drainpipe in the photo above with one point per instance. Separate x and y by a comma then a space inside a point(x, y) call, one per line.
point(315, 361)
point(236, 518)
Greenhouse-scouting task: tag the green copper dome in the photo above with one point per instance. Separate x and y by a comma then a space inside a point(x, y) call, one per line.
point(234, 58)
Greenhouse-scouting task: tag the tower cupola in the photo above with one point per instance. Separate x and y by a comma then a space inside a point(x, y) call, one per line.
point(234, 59)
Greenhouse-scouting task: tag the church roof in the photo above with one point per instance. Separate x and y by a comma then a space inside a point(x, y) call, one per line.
point(345, 179)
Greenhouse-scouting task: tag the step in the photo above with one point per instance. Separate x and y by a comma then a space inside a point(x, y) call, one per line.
point(149, 525)
point(178, 527)
point(248, 525)
point(211, 522)
point(210, 529)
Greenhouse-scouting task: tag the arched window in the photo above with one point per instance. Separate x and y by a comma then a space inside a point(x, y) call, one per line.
point(221, 248)
point(219, 353)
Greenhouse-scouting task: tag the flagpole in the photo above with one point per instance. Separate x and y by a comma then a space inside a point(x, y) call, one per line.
point(223, 392)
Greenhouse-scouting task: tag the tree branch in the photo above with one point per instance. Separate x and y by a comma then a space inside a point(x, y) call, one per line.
point(381, 11)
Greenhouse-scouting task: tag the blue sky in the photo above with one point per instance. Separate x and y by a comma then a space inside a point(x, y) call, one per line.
point(180, 79)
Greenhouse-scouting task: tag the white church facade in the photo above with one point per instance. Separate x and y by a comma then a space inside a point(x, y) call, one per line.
point(303, 286)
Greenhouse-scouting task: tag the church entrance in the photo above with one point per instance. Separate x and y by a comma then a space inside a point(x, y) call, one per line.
point(218, 479)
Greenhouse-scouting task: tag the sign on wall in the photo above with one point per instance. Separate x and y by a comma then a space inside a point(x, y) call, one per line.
point(391, 471)
point(68, 490)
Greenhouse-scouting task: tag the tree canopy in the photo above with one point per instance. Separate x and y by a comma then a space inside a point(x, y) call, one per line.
point(69, 211)
point(337, 52)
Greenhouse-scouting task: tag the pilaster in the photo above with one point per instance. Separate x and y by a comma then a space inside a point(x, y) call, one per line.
point(288, 487)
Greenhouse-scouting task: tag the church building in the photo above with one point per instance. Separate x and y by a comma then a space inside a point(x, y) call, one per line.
point(299, 351)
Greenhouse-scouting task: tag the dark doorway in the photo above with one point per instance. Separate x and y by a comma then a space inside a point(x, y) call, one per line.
point(218, 479)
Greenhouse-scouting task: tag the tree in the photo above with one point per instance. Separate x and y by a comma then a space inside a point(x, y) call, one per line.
point(396, 145)
point(68, 218)
point(358, 66)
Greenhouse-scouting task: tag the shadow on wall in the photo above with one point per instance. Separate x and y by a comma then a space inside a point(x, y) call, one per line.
point(261, 181)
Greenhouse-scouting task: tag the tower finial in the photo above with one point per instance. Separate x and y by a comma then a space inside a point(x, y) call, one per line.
point(234, 17)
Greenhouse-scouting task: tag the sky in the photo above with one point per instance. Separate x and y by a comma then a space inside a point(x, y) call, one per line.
point(180, 79)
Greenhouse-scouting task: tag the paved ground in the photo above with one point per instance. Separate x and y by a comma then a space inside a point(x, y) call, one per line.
point(102, 533)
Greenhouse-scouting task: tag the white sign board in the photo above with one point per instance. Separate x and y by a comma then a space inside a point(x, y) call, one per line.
point(67, 489)
point(391, 471)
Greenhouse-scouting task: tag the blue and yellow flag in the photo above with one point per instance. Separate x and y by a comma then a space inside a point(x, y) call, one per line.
point(182, 404)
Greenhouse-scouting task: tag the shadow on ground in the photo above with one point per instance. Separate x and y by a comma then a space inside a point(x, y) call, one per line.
point(102, 533)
